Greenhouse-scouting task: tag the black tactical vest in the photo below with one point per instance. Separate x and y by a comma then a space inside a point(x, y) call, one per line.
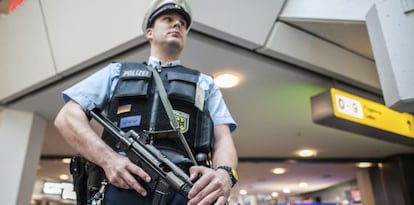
point(136, 105)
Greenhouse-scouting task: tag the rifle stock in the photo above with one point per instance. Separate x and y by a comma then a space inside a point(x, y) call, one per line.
point(165, 175)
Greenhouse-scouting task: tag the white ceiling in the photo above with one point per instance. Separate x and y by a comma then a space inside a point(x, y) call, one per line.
point(271, 106)
point(349, 35)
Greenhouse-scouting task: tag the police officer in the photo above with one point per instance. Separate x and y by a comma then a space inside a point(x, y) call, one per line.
point(166, 24)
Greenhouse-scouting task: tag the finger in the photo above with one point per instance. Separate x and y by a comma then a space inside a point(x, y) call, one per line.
point(119, 182)
point(217, 197)
point(206, 198)
point(131, 176)
point(139, 172)
point(195, 172)
point(209, 193)
point(202, 184)
point(139, 189)
point(133, 183)
point(221, 201)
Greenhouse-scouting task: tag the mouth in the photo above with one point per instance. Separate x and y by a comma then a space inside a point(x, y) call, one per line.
point(175, 34)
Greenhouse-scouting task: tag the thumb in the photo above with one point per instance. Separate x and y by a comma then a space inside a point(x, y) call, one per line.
point(195, 172)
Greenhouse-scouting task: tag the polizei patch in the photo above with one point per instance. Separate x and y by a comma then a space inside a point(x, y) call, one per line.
point(183, 120)
point(136, 73)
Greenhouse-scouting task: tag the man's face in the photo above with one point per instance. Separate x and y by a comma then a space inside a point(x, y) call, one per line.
point(169, 29)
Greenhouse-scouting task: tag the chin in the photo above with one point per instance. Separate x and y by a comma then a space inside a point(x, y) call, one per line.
point(176, 44)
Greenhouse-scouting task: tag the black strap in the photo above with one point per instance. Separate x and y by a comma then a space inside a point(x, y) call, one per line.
point(169, 109)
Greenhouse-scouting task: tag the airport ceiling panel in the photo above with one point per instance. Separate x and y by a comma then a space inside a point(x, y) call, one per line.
point(243, 22)
point(82, 31)
point(25, 59)
point(301, 48)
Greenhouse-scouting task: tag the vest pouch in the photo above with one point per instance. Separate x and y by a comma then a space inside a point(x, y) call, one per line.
point(177, 157)
point(133, 86)
point(204, 143)
point(170, 146)
point(182, 86)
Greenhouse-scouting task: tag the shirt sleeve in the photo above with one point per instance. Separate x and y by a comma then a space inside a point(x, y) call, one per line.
point(215, 103)
point(96, 89)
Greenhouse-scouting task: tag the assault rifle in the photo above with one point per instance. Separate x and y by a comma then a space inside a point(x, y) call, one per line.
point(165, 175)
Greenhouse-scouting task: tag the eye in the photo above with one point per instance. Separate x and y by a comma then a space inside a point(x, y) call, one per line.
point(167, 18)
point(183, 23)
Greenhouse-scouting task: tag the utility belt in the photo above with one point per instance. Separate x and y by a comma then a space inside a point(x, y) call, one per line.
point(88, 180)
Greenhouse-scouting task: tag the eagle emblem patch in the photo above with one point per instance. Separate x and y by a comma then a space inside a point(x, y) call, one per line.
point(183, 120)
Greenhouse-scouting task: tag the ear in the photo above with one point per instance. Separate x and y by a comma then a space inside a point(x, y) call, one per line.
point(148, 33)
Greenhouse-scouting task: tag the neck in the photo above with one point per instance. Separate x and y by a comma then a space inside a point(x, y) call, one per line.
point(166, 55)
point(165, 59)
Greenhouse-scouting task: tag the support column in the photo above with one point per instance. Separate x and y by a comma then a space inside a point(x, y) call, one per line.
point(393, 181)
point(21, 138)
point(365, 185)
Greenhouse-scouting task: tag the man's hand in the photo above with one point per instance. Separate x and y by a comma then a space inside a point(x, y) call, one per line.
point(210, 187)
point(120, 172)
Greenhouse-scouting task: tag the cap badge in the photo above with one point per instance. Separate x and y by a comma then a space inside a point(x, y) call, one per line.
point(178, 3)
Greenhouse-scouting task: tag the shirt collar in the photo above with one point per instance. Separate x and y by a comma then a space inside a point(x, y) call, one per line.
point(156, 63)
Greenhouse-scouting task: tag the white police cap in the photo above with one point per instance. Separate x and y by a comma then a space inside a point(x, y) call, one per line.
point(158, 7)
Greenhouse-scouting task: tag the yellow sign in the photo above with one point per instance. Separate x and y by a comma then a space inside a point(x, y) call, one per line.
point(360, 110)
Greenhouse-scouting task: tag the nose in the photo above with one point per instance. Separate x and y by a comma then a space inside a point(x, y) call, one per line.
point(177, 23)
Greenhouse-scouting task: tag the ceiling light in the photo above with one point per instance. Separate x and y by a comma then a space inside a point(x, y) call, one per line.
point(286, 190)
point(278, 170)
point(275, 194)
point(364, 164)
point(226, 80)
point(66, 160)
point(306, 153)
point(303, 185)
point(64, 177)
point(243, 192)
point(52, 188)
